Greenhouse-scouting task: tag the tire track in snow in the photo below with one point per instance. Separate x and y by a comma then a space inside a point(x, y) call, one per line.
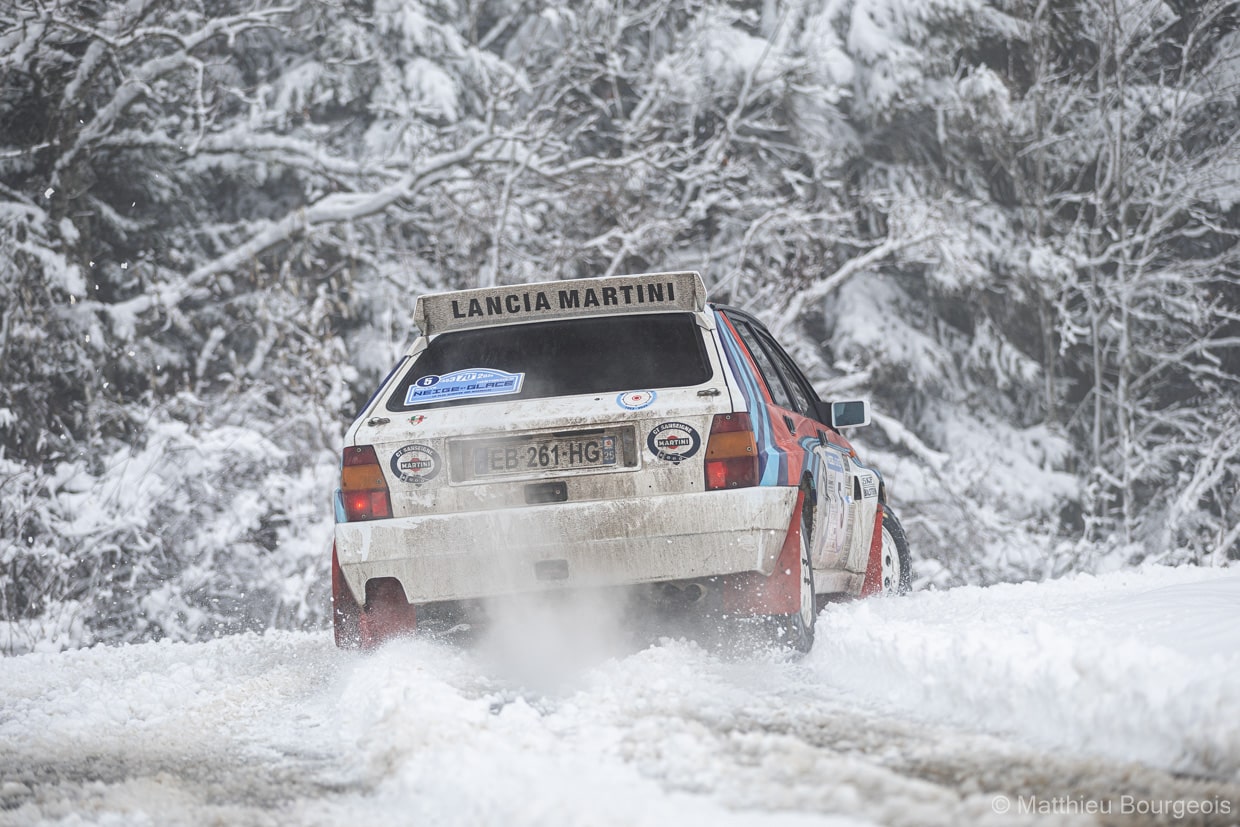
point(978, 768)
point(282, 729)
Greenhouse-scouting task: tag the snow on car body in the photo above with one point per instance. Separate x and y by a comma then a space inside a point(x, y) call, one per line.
point(602, 432)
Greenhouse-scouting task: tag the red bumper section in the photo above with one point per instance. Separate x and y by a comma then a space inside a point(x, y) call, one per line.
point(751, 593)
point(873, 583)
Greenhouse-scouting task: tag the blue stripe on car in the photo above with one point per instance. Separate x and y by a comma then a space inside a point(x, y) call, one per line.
point(771, 472)
point(812, 460)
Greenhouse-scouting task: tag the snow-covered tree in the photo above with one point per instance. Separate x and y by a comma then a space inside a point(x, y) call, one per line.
point(1010, 222)
point(1133, 133)
point(196, 198)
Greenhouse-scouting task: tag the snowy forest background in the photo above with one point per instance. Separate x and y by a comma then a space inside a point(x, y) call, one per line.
point(1011, 223)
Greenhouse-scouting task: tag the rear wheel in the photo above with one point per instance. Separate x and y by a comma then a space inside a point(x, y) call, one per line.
point(802, 626)
point(897, 565)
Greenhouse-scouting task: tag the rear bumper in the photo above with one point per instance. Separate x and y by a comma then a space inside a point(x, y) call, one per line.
point(643, 540)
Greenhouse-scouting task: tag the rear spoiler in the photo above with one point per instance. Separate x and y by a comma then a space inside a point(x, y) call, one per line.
point(515, 304)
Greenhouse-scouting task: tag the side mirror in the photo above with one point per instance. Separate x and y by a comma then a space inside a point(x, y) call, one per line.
point(850, 414)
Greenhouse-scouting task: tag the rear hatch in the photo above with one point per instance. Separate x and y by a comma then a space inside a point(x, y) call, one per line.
point(591, 408)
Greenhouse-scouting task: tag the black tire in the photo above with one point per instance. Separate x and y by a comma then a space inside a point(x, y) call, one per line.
point(896, 560)
point(802, 623)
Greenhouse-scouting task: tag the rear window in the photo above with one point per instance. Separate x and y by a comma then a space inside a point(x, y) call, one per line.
point(561, 358)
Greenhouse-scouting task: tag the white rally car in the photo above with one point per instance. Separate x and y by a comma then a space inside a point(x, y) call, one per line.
point(615, 432)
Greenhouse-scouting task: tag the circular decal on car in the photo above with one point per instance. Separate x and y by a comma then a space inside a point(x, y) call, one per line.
point(635, 400)
point(415, 464)
point(673, 441)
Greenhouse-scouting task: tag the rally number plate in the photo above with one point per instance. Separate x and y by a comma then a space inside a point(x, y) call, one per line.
point(529, 456)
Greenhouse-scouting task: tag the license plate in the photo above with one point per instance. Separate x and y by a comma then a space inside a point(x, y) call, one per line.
point(557, 454)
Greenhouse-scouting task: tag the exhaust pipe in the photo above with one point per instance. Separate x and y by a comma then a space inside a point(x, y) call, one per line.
point(674, 594)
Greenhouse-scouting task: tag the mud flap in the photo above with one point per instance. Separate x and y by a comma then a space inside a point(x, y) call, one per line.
point(387, 614)
point(751, 593)
point(345, 609)
point(873, 583)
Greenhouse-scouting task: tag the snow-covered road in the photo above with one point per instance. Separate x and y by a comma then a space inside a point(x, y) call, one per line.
point(1109, 700)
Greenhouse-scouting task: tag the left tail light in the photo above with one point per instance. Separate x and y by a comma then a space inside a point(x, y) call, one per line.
point(362, 487)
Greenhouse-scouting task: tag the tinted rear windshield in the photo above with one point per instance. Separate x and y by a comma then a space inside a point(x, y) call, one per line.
point(562, 358)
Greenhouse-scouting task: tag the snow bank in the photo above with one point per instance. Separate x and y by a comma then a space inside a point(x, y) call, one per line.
point(1141, 666)
point(282, 728)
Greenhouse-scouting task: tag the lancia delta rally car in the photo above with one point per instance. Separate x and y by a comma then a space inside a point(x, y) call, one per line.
point(615, 432)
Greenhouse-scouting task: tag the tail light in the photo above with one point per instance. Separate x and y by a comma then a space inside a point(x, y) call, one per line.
point(362, 487)
point(731, 453)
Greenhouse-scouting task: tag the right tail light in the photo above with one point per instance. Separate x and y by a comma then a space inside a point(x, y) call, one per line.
point(731, 453)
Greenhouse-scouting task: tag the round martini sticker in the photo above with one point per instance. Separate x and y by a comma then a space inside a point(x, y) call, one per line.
point(415, 464)
point(673, 441)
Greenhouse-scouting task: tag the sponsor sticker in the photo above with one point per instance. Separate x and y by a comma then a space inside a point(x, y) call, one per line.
point(833, 461)
point(416, 464)
point(573, 298)
point(635, 400)
point(417, 419)
point(673, 441)
point(463, 384)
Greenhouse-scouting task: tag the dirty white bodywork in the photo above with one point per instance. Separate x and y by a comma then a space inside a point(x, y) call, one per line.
point(643, 520)
point(847, 505)
point(607, 542)
point(452, 540)
point(454, 535)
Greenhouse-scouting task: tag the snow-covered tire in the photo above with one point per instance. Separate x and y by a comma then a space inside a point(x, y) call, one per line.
point(896, 561)
point(802, 625)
